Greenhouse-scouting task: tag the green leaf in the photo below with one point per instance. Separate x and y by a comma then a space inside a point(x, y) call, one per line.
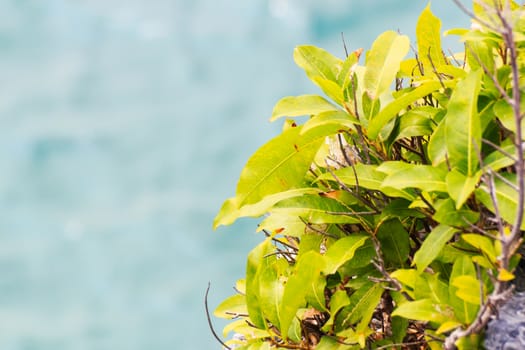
point(315, 296)
point(447, 214)
point(460, 187)
point(344, 78)
point(317, 62)
point(339, 118)
point(497, 160)
point(394, 241)
point(383, 61)
point(255, 261)
point(304, 277)
point(432, 246)
point(462, 125)
point(421, 310)
point(338, 300)
point(468, 289)
point(294, 106)
point(271, 287)
point(505, 114)
point(400, 103)
point(263, 206)
point(424, 177)
point(316, 209)
point(342, 251)
point(331, 89)
point(506, 196)
point(437, 148)
point(232, 307)
point(464, 311)
point(367, 176)
point(428, 34)
point(414, 123)
point(361, 307)
point(278, 166)
point(283, 223)
point(484, 244)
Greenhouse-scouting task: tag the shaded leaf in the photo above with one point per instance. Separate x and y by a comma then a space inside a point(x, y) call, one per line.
point(432, 246)
point(361, 307)
point(447, 214)
point(395, 244)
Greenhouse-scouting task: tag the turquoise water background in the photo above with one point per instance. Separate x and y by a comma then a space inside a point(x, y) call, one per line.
point(124, 125)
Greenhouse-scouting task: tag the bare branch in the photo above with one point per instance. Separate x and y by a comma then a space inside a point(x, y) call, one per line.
point(209, 319)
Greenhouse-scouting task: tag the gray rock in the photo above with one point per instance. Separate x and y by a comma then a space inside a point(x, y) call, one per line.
point(507, 330)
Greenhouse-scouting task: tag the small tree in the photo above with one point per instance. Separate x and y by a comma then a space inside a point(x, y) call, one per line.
point(393, 214)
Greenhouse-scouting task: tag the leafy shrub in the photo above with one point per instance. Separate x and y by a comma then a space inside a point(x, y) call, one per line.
point(393, 214)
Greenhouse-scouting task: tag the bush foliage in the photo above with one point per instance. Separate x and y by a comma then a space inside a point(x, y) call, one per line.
point(393, 213)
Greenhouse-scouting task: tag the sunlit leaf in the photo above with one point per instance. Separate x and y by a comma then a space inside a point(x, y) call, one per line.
point(340, 118)
point(468, 289)
point(303, 278)
point(506, 196)
point(232, 307)
point(317, 62)
point(271, 287)
point(460, 187)
point(383, 61)
point(464, 311)
point(428, 34)
point(316, 209)
point(342, 251)
point(294, 106)
point(437, 150)
point(422, 310)
point(253, 266)
point(423, 177)
point(278, 166)
point(484, 244)
point(400, 103)
point(462, 125)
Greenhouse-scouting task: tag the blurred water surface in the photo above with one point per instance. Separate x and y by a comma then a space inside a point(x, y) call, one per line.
point(124, 125)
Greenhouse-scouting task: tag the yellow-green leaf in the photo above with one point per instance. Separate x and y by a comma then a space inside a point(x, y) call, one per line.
point(428, 34)
point(294, 106)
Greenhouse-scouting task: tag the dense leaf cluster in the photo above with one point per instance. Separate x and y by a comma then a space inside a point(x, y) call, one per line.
point(392, 214)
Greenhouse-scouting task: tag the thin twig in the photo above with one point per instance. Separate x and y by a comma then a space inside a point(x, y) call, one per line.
point(209, 319)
